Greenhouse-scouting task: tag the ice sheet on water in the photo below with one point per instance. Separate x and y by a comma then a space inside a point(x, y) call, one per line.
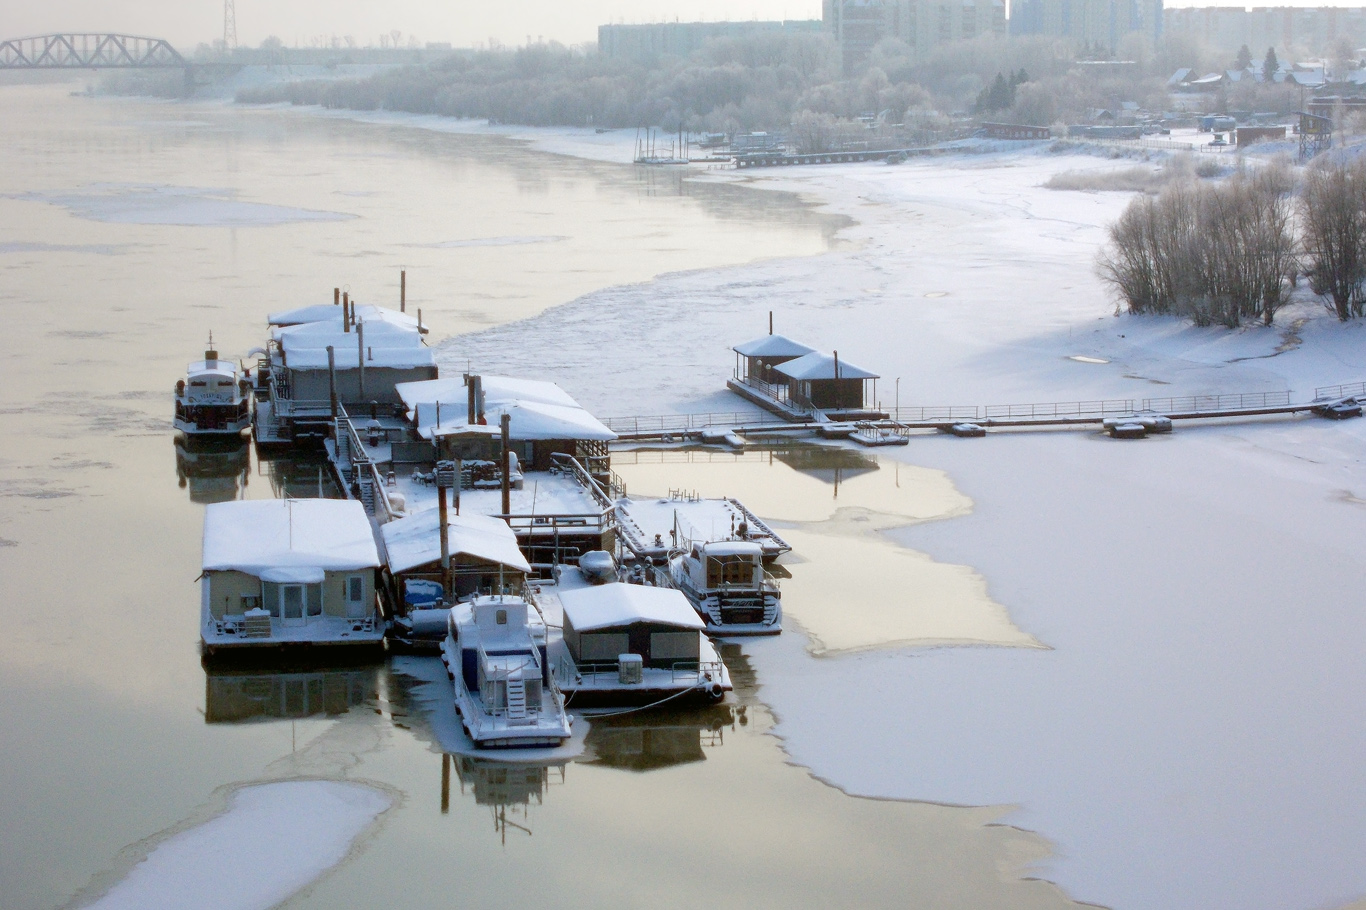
point(284, 835)
point(142, 203)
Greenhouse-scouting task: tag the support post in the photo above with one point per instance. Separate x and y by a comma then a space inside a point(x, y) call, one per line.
point(332, 380)
point(837, 380)
point(770, 322)
point(336, 296)
point(403, 291)
point(346, 311)
point(507, 477)
point(445, 783)
point(360, 354)
point(445, 541)
point(469, 396)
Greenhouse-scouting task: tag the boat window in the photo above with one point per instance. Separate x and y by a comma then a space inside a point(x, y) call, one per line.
point(271, 593)
point(199, 383)
point(501, 617)
point(730, 570)
point(251, 602)
point(315, 599)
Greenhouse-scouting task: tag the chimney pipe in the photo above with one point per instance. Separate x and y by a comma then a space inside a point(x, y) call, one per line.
point(770, 322)
point(360, 355)
point(332, 380)
point(403, 291)
point(336, 296)
point(507, 477)
point(469, 395)
point(346, 311)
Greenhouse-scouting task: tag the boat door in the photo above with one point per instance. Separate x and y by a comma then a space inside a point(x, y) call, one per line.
point(292, 604)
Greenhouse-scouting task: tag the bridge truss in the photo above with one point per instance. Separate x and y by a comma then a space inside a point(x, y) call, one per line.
point(88, 51)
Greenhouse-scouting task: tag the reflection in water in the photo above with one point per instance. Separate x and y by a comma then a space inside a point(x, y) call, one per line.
point(507, 789)
point(236, 696)
point(213, 472)
point(847, 585)
point(301, 476)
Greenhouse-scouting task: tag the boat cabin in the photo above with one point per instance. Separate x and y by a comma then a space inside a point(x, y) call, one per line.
point(483, 555)
point(718, 565)
point(289, 571)
point(603, 623)
point(212, 399)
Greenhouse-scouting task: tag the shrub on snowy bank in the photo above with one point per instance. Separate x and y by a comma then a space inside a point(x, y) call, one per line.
point(1215, 253)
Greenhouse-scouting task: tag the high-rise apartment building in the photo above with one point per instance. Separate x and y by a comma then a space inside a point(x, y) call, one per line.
point(1091, 22)
point(858, 25)
point(1312, 30)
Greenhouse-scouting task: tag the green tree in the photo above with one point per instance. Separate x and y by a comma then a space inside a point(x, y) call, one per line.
point(1244, 58)
point(1270, 65)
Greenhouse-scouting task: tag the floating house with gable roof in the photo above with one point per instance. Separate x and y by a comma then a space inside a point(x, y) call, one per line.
point(800, 383)
point(288, 572)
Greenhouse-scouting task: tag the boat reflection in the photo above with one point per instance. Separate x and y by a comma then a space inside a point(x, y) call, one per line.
point(509, 790)
point(242, 696)
point(213, 471)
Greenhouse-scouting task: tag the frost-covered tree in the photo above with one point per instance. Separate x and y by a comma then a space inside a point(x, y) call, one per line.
point(1333, 215)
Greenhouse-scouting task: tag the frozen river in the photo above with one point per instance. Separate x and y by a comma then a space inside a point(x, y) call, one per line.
point(128, 230)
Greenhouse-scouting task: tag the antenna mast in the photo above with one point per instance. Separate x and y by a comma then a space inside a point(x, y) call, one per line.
point(229, 25)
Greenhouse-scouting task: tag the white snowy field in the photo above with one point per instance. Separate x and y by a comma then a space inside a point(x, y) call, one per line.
point(1193, 737)
point(273, 840)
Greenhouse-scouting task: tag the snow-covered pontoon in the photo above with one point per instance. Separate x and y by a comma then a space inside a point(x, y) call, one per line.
point(288, 573)
point(627, 644)
point(212, 399)
point(495, 656)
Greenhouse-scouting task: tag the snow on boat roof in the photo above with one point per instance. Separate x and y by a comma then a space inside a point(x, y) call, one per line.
point(539, 410)
point(416, 540)
point(619, 604)
point(772, 346)
point(212, 367)
point(821, 366)
point(321, 334)
point(347, 357)
point(256, 536)
point(733, 548)
point(331, 312)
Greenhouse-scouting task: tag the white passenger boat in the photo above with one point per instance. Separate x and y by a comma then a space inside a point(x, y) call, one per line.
point(726, 583)
point(213, 399)
point(495, 656)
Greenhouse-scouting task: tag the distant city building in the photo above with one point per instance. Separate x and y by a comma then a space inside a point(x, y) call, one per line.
point(679, 39)
point(1312, 30)
point(858, 25)
point(1091, 22)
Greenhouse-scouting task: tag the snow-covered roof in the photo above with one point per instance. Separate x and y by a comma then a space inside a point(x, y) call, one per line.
point(386, 345)
point(416, 540)
point(772, 346)
point(302, 537)
point(222, 368)
point(330, 312)
point(821, 366)
point(734, 548)
point(539, 410)
point(619, 604)
point(347, 357)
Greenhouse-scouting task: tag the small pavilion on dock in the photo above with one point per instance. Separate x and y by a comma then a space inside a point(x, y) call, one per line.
point(823, 383)
point(756, 360)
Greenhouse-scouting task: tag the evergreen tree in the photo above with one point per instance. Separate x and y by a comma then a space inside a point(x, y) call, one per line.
point(1244, 58)
point(1270, 65)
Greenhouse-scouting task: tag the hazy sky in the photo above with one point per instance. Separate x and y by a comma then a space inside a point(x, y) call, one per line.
point(463, 22)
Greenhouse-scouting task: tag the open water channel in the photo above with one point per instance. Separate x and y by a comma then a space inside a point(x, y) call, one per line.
point(128, 230)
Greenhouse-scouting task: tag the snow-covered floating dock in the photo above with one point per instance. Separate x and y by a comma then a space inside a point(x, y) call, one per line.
point(1152, 414)
point(651, 529)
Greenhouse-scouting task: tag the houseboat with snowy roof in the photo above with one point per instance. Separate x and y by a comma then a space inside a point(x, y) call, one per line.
point(630, 645)
point(802, 384)
point(326, 358)
point(213, 400)
point(289, 573)
point(495, 656)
